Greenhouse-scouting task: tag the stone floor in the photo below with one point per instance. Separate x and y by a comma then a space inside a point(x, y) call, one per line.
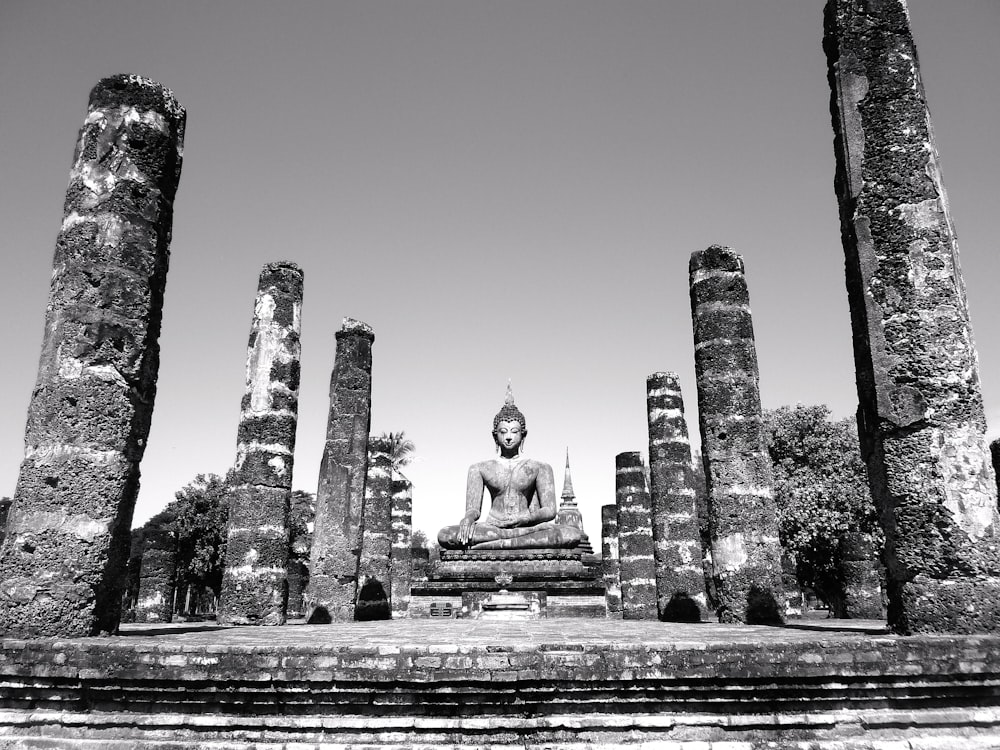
point(449, 632)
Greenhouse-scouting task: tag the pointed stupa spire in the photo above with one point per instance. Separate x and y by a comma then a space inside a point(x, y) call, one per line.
point(567, 493)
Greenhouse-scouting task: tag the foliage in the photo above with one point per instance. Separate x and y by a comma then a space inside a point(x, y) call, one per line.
point(822, 494)
point(401, 451)
point(200, 513)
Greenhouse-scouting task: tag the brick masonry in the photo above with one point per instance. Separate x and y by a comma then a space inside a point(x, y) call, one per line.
point(680, 577)
point(921, 409)
point(374, 587)
point(63, 561)
point(401, 554)
point(333, 580)
point(743, 521)
point(610, 565)
point(255, 574)
point(635, 539)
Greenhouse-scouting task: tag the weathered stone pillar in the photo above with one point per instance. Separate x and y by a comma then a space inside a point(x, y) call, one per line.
point(680, 578)
point(743, 520)
point(374, 586)
point(254, 580)
point(609, 560)
point(333, 569)
point(921, 410)
point(155, 602)
point(862, 583)
point(62, 564)
point(401, 555)
point(635, 539)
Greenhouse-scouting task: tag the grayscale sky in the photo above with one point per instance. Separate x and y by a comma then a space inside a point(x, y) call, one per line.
point(503, 189)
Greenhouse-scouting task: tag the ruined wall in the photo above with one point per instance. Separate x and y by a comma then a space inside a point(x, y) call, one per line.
point(157, 575)
point(62, 563)
point(921, 409)
point(635, 539)
point(680, 578)
point(401, 555)
point(254, 581)
point(743, 520)
point(374, 587)
point(333, 576)
point(610, 567)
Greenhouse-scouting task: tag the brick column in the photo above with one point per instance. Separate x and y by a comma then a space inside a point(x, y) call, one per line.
point(157, 576)
point(401, 555)
point(609, 560)
point(680, 578)
point(333, 569)
point(921, 410)
point(63, 561)
point(374, 587)
point(635, 539)
point(743, 521)
point(254, 581)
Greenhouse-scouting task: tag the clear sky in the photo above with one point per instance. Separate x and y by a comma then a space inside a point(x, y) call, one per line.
point(502, 189)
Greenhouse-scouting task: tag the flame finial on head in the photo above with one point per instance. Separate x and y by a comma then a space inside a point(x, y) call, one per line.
point(509, 412)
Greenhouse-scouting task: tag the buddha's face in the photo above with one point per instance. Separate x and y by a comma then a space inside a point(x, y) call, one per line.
point(509, 435)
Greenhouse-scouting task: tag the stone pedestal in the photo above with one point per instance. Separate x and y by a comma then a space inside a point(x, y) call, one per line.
point(63, 560)
point(743, 521)
point(504, 605)
point(921, 410)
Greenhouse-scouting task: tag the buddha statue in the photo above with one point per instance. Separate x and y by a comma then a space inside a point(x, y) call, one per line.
point(522, 492)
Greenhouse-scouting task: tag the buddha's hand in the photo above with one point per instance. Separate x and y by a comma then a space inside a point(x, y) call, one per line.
point(465, 528)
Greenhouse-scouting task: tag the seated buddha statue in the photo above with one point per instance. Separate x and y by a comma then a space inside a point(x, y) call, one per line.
point(522, 493)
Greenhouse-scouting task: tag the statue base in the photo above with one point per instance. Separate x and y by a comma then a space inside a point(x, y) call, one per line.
point(504, 605)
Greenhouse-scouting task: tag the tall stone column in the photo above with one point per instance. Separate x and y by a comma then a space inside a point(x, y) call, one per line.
point(254, 580)
point(333, 569)
point(635, 539)
point(921, 410)
point(157, 576)
point(374, 586)
point(610, 566)
point(401, 555)
point(743, 520)
point(63, 561)
point(680, 578)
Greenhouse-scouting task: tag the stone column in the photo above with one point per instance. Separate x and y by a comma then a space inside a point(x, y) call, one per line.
point(376, 535)
point(401, 556)
point(155, 602)
point(333, 569)
point(743, 521)
point(921, 410)
point(62, 564)
point(609, 560)
point(635, 539)
point(680, 578)
point(254, 580)
point(862, 583)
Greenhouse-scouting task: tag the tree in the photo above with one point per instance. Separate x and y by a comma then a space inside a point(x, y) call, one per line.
point(821, 490)
point(200, 513)
point(401, 450)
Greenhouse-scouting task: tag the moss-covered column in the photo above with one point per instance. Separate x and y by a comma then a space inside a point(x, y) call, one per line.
point(254, 581)
point(680, 578)
point(374, 587)
point(610, 567)
point(921, 409)
point(63, 561)
point(401, 554)
point(157, 576)
point(743, 522)
point(635, 538)
point(333, 568)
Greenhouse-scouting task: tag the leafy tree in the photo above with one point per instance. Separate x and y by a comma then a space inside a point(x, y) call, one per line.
point(822, 494)
point(401, 450)
point(200, 513)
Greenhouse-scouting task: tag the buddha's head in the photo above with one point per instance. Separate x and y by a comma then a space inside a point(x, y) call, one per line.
point(509, 426)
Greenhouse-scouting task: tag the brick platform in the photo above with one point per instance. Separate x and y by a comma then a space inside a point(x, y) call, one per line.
point(556, 683)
